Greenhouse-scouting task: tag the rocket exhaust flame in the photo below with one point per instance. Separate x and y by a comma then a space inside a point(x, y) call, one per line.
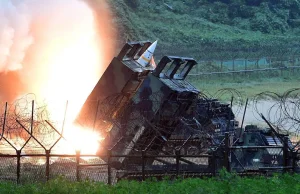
point(55, 50)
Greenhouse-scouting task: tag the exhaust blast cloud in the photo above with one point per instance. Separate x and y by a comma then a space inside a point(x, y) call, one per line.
point(54, 49)
point(15, 37)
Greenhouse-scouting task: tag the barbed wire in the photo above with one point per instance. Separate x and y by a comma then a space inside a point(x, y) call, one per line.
point(25, 118)
point(283, 110)
point(150, 119)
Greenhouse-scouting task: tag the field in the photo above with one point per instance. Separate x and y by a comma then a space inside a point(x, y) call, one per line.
point(225, 183)
point(248, 85)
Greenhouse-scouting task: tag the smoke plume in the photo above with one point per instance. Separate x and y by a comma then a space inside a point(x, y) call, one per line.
point(53, 47)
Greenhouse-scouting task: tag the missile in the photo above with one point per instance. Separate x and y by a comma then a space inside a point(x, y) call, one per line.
point(146, 57)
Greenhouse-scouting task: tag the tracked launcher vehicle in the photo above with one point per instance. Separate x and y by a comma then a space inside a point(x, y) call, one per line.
point(155, 110)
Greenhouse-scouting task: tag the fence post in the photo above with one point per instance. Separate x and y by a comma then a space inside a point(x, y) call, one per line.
point(221, 66)
point(213, 161)
point(227, 152)
point(18, 165)
point(4, 122)
point(143, 165)
point(270, 65)
point(293, 64)
point(108, 167)
point(177, 152)
point(77, 165)
point(294, 164)
point(285, 154)
point(47, 164)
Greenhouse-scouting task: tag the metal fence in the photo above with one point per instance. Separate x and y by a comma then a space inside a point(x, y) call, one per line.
point(37, 166)
point(234, 66)
point(32, 149)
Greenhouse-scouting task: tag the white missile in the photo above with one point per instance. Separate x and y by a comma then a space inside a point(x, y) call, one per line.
point(145, 58)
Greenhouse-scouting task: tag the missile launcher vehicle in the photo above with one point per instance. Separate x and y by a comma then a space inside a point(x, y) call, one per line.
point(140, 107)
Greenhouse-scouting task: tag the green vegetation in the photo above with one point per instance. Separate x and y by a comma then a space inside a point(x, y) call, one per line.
point(206, 29)
point(226, 183)
point(218, 29)
point(248, 84)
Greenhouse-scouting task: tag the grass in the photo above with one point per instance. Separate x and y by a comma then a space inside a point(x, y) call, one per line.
point(248, 85)
point(225, 183)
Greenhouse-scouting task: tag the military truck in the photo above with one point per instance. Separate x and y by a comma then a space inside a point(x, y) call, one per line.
point(155, 110)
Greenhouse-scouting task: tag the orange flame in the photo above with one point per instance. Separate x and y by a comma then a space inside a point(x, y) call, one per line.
point(72, 43)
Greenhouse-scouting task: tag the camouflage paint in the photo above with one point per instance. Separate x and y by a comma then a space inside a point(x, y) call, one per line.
point(115, 88)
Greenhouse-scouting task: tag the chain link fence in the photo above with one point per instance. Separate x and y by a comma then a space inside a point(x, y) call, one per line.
point(271, 65)
point(33, 149)
point(36, 167)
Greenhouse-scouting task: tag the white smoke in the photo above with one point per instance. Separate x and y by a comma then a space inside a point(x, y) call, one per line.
point(37, 36)
point(55, 18)
point(15, 19)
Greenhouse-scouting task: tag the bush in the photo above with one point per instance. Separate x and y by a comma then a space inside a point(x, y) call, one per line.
point(261, 23)
point(133, 3)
